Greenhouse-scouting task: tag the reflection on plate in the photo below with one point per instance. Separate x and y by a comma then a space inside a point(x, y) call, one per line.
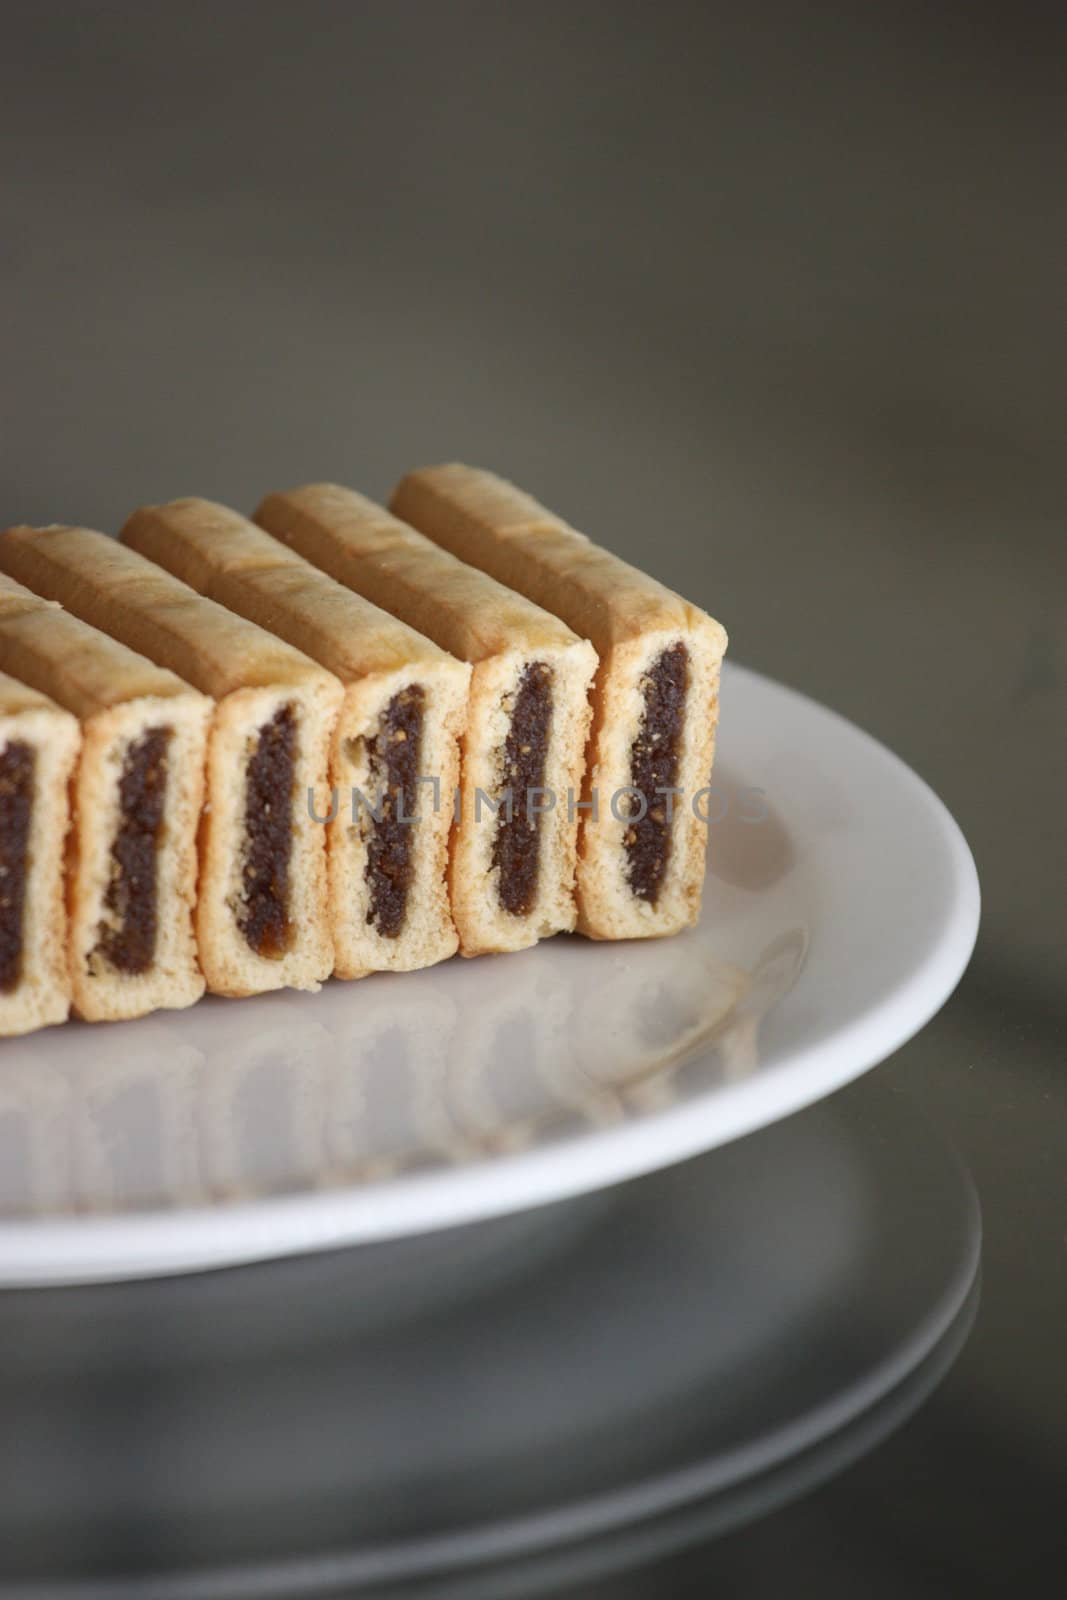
point(480, 1059)
point(834, 925)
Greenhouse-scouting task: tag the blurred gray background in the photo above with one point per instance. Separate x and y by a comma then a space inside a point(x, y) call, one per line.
point(768, 298)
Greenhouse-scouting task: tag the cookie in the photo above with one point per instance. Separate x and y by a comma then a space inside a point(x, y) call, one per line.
point(395, 747)
point(655, 702)
point(137, 793)
point(515, 839)
point(261, 914)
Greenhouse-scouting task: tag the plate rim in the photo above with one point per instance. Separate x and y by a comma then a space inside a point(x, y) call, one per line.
point(127, 1245)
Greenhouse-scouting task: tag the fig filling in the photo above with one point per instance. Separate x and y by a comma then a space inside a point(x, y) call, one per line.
point(394, 768)
point(128, 940)
point(263, 916)
point(517, 846)
point(16, 812)
point(653, 767)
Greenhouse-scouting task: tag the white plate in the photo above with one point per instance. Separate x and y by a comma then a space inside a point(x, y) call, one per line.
point(833, 929)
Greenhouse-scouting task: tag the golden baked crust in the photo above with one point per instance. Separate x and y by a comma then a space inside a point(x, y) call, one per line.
point(501, 635)
point(18, 698)
point(362, 545)
point(632, 620)
point(377, 658)
point(151, 611)
point(223, 555)
point(492, 524)
point(82, 669)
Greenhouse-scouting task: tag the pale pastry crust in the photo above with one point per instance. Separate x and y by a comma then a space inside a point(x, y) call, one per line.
point(428, 934)
point(501, 634)
point(376, 657)
point(252, 675)
point(174, 979)
point(41, 993)
point(631, 619)
point(115, 696)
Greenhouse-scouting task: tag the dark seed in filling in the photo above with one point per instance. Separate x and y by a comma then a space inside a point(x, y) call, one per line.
point(517, 846)
point(16, 809)
point(128, 943)
point(653, 766)
point(394, 767)
point(263, 916)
